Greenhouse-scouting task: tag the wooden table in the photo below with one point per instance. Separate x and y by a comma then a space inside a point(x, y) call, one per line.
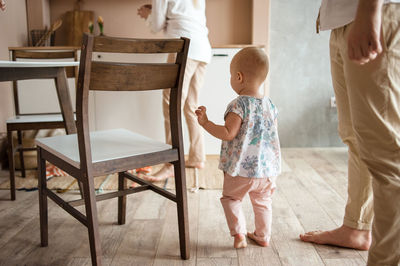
point(18, 70)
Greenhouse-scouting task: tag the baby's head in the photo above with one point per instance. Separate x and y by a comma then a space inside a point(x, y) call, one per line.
point(249, 69)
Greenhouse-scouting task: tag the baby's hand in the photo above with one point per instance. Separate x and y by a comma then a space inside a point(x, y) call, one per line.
point(201, 115)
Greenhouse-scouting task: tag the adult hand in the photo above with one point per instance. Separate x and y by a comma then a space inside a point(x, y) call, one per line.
point(201, 115)
point(144, 11)
point(363, 41)
point(2, 5)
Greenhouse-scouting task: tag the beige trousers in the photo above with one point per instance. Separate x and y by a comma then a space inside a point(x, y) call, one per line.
point(368, 100)
point(192, 84)
point(359, 207)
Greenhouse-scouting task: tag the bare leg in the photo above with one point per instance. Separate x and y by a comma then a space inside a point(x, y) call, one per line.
point(343, 236)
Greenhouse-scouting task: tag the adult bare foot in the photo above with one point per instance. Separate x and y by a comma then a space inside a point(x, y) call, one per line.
point(343, 236)
point(253, 237)
point(239, 241)
point(165, 172)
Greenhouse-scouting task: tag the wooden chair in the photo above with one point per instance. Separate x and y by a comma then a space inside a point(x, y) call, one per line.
point(88, 154)
point(35, 121)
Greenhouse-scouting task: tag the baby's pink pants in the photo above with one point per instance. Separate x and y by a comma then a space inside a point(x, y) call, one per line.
point(260, 191)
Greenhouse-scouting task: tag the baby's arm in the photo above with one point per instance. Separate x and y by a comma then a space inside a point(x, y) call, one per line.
point(225, 132)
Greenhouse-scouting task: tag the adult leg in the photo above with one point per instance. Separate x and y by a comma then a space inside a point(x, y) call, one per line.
point(196, 150)
point(374, 101)
point(168, 169)
point(355, 231)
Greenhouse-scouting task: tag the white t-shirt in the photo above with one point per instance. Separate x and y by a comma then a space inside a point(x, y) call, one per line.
point(337, 13)
point(181, 18)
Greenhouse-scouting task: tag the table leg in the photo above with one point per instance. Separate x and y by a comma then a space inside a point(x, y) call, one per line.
point(65, 101)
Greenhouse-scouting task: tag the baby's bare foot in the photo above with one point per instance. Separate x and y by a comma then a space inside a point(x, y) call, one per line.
point(253, 237)
point(343, 236)
point(240, 241)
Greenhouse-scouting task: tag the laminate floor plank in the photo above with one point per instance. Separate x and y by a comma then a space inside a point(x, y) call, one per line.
point(168, 252)
point(214, 240)
point(254, 254)
point(15, 215)
point(311, 195)
point(143, 231)
point(285, 230)
point(318, 207)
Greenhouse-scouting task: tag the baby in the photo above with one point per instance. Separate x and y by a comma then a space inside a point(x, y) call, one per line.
point(250, 153)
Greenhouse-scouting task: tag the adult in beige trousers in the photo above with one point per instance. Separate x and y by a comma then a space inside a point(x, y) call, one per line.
point(365, 60)
point(183, 18)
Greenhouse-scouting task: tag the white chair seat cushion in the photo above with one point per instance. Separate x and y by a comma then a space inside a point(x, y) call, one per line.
point(35, 118)
point(105, 145)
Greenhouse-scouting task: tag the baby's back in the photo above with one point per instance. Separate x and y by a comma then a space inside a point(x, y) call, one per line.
point(255, 151)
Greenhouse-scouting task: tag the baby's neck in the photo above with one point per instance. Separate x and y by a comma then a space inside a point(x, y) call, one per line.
point(252, 92)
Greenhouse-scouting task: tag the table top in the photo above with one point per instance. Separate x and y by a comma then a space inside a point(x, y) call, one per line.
point(37, 64)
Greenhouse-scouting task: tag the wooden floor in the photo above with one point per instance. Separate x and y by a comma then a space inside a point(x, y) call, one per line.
point(311, 195)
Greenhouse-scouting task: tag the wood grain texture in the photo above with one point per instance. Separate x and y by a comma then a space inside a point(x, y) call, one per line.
point(120, 77)
point(59, 75)
point(123, 45)
point(40, 54)
point(107, 76)
point(150, 234)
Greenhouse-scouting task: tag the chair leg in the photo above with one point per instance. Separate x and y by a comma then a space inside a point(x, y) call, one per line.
point(11, 164)
point(21, 153)
point(92, 223)
point(80, 188)
point(122, 184)
point(42, 185)
point(181, 202)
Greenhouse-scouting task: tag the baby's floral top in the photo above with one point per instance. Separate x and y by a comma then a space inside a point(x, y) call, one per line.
point(255, 151)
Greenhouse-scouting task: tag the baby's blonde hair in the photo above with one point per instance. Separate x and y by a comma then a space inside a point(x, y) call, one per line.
point(196, 3)
point(253, 63)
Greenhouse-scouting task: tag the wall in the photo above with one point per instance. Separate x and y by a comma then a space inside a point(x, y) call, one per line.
point(300, 78)
point(300, 81)
point(13, 28)
point(229, 21)
point(38, 15)
point(120, 17)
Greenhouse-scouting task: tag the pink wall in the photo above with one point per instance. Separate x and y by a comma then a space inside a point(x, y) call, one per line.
point(120, 19)
point(229, 21)
point(13, 28)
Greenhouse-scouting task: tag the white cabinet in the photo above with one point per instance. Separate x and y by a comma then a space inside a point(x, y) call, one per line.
point(40, 95)
point(142, 111)
point(217, 92)
point(138, 111)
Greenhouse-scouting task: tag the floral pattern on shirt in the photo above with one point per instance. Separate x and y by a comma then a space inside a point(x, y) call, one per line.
point(255, 151)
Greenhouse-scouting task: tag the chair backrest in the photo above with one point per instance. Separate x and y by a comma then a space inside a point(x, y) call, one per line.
point(44, 53)
point(121, 76)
